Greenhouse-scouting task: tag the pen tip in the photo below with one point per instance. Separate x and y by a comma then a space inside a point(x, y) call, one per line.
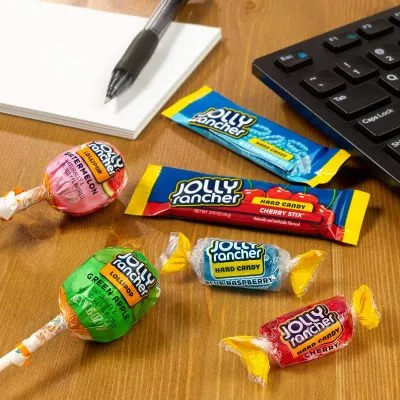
point(107, 99)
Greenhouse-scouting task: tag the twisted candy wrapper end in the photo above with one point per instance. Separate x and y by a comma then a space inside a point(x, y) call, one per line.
point(304, 269)
point(365, 307)
point(175, 256)
point(253, 352)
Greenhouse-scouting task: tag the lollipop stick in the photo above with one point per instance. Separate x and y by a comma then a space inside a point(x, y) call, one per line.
point(13, 202)
point(23, 351)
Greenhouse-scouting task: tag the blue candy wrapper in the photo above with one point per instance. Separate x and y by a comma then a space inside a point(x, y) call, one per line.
point(238, 264)
point(258, 139)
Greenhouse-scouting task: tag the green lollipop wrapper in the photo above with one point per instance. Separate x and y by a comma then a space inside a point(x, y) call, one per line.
point(100, 301)
point(108, 294)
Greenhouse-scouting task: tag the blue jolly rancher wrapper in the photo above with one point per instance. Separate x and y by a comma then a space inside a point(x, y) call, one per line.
point(263, 142)
point(246, 265)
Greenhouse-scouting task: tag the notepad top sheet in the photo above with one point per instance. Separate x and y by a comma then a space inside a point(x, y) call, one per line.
point(57, 61)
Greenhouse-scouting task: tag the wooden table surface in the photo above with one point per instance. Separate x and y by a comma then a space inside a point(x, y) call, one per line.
point(173, 353)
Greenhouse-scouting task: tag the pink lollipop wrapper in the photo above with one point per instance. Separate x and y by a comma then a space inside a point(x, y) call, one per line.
point(77, 182)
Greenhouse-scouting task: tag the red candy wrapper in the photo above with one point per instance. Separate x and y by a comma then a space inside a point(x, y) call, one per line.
point(305, 334)
point(329, 213)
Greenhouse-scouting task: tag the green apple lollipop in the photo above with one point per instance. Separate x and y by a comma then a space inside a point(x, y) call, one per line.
point(101, 301)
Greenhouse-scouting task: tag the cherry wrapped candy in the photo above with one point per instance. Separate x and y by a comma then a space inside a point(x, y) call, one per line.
point(304, 335)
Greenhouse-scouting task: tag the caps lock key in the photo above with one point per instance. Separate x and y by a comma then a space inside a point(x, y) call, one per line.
point(382, 123)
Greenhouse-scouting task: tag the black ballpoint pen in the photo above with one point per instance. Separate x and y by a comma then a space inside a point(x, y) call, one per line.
point(142, 47)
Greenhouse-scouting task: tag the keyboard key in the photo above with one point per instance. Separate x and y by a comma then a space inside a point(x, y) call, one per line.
point(391, 81)
point(292, 61)
point(359, 100)
point(343, 41)
point(393, 147)
point(395, 18)
point(387, 56)
point(323, 83)
point(380, 124)
point(374, 29)
point(357, 70)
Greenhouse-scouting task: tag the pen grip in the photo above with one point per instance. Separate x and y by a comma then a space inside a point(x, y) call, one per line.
point(138, 53)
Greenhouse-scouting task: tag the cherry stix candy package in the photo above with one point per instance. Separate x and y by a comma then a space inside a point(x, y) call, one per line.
point(258, 139)
point(305, 334)
point(329, 213)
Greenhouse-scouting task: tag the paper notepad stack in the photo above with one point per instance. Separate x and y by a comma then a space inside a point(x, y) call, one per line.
point(56, 62)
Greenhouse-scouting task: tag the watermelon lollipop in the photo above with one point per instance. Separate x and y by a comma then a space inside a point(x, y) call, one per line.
point(77, 182)
point(100, 301)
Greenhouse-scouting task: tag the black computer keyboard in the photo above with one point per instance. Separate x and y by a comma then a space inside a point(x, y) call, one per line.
point(347, 83)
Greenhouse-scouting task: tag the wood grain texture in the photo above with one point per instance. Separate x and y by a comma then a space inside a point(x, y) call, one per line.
point(172, 352)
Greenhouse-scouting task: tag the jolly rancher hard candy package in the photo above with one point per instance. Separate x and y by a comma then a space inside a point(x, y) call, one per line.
point(272, 146)
point(329, 213)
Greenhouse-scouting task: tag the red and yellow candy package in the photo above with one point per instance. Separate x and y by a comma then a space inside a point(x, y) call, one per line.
point(329, 213)
point(305, 334)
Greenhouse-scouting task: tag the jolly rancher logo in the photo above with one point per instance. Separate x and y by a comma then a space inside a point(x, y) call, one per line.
point(109, 158)
point(224, 120)
point(230, 259)
point(130, 276)
point(101, 159)
point(315, 327)
point(207, 191)
point(222, 251)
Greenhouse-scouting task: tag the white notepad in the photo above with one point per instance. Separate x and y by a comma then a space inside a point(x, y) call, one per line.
point(56, 62)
